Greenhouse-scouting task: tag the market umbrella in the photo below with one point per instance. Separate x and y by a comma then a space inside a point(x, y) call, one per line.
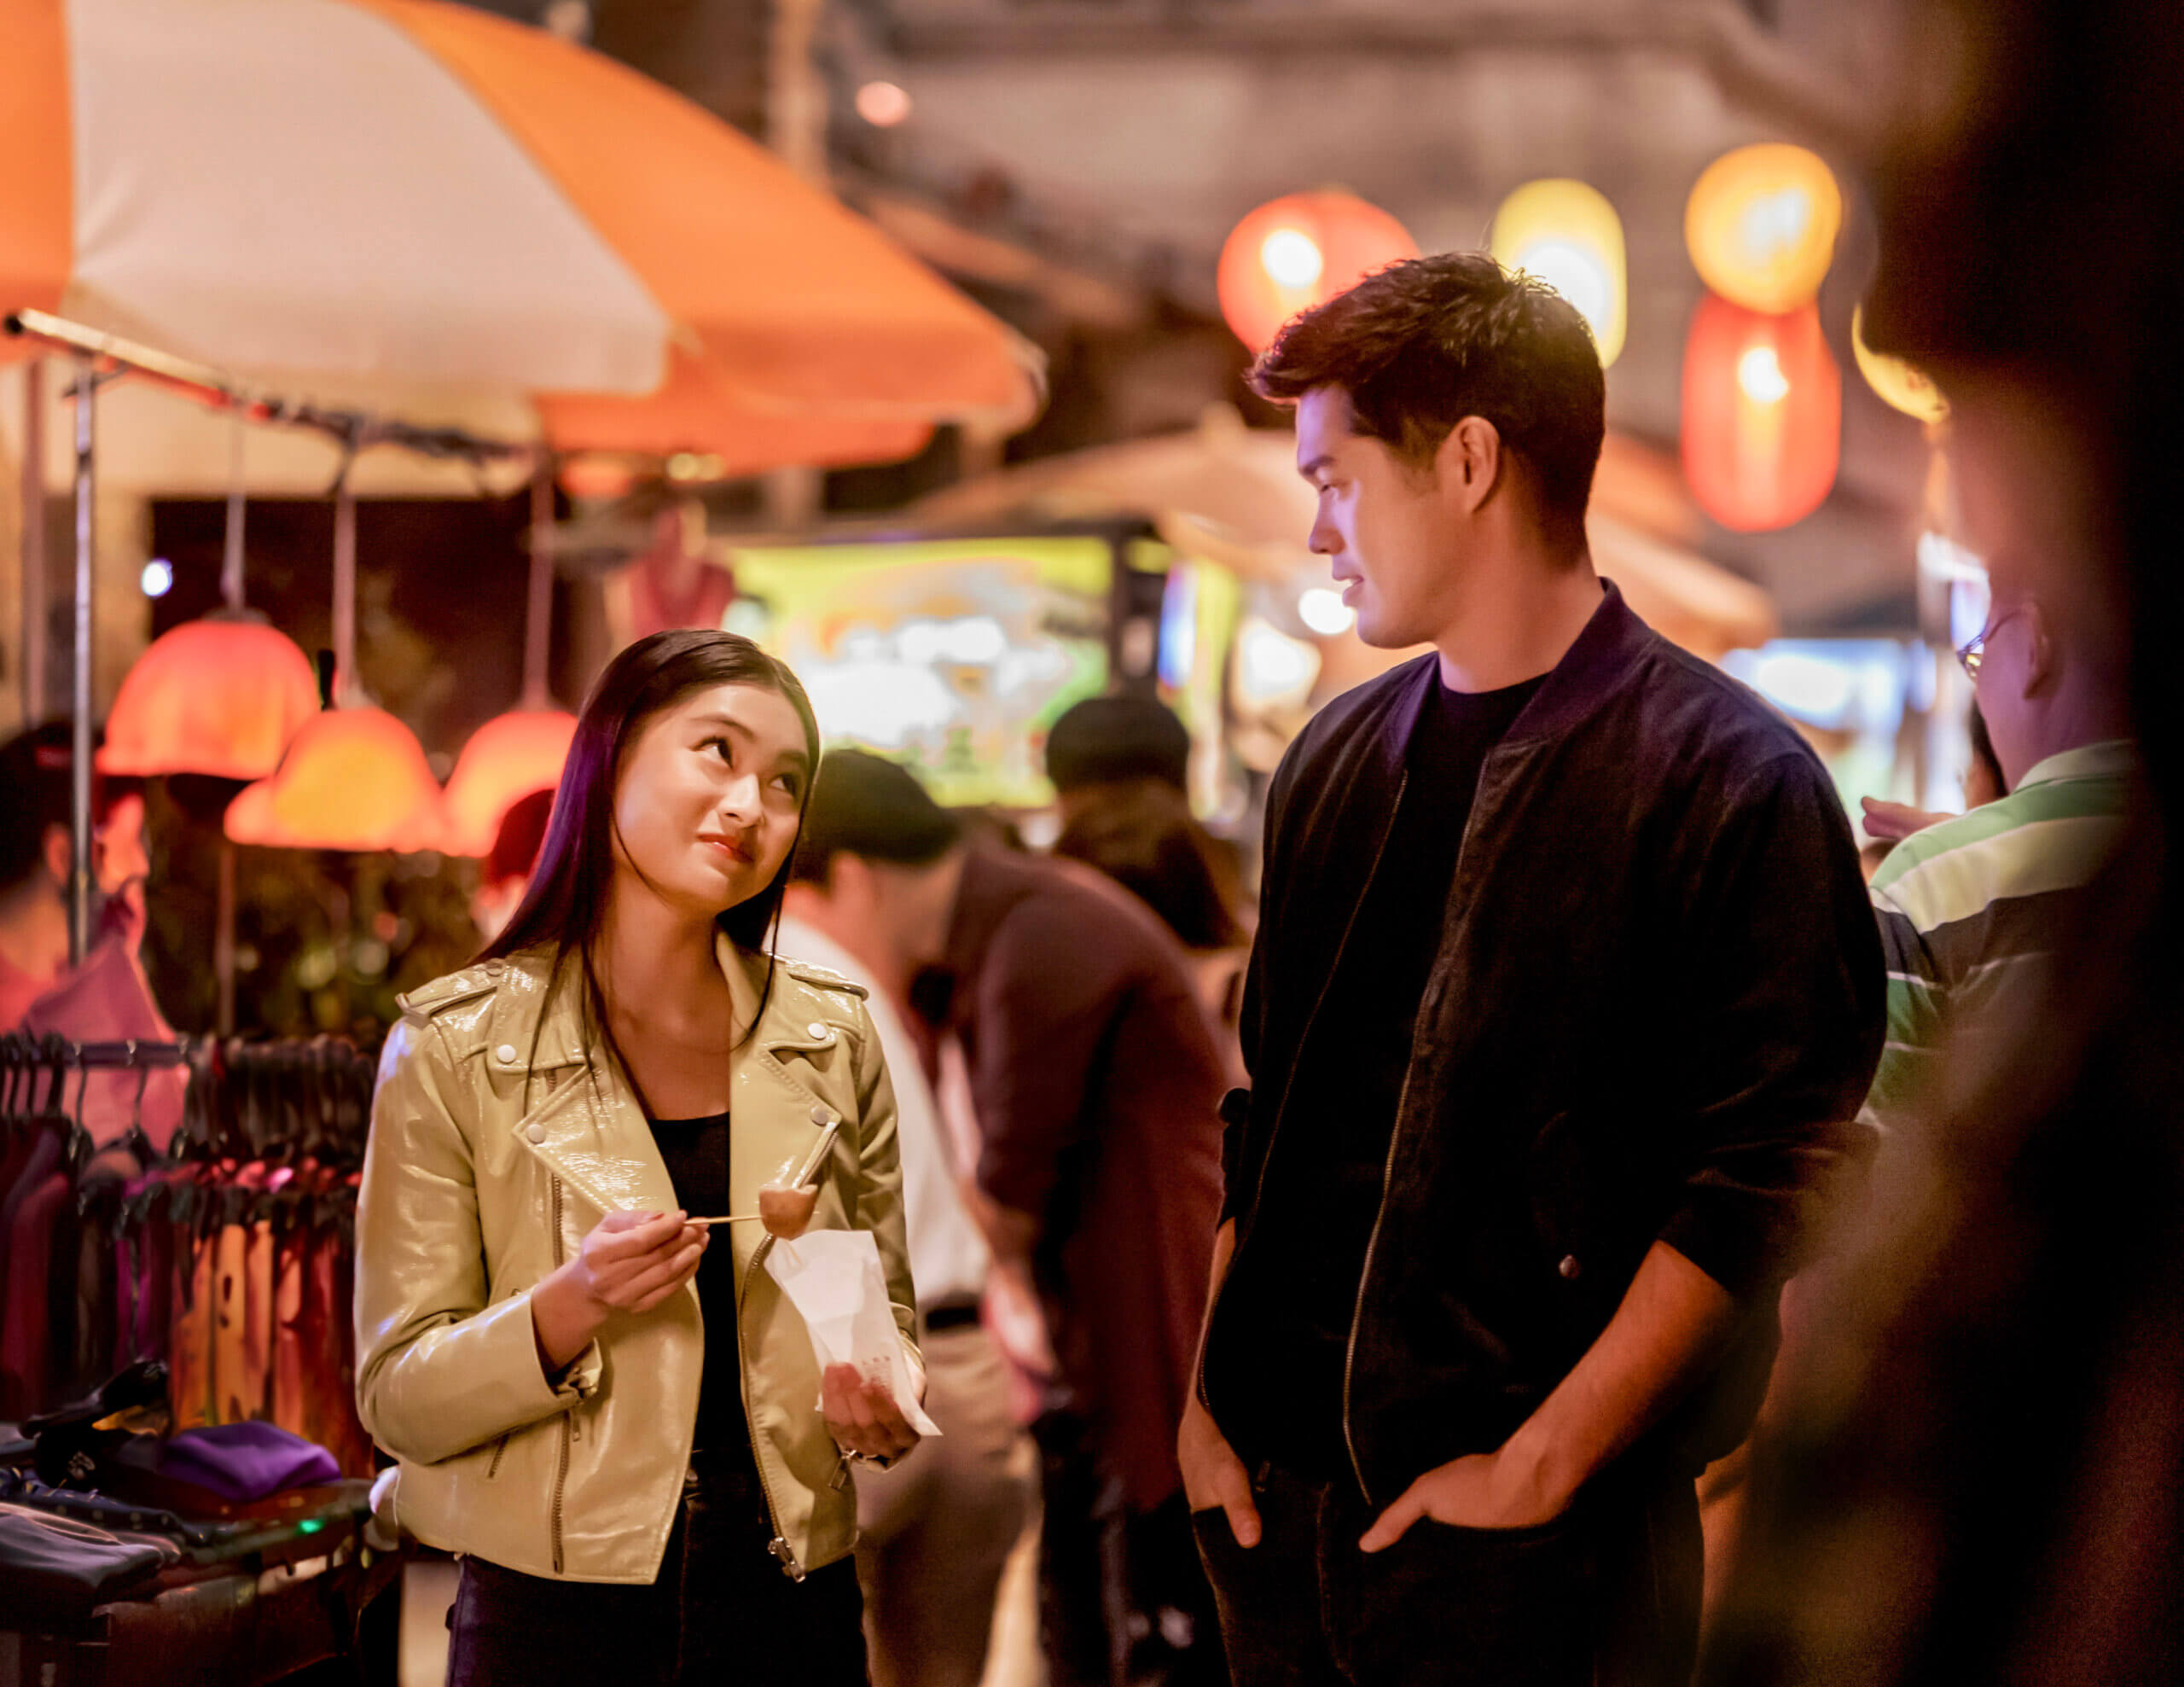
point(443, 210)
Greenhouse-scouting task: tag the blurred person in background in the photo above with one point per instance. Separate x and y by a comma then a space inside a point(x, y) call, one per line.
point(1565, 993)
point(1094, 1079)
point(1890, 822)
point(1978, 1477)
point(1101, 746)
point(935, 1531)
point(105, 997)
point(1144, 836)
point(504, 876)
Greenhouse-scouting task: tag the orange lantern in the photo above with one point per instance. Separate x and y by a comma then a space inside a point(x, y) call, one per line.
point(1300, 251)
point(507, 759)
point(1763, 415)
point(1904, 386)
point(223, 696)
point(355, 779)
point(1761, 224)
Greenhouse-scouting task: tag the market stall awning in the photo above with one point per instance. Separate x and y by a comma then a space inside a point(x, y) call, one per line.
point(440, 208)
point(1232, 495)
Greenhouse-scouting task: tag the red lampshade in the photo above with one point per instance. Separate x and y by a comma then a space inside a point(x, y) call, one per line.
point(1300, 251)
point(353, 779)
point(507, 759)
point(1763, 415)
point(222, 695)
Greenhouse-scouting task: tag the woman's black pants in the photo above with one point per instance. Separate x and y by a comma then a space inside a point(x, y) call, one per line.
point(721, 1610)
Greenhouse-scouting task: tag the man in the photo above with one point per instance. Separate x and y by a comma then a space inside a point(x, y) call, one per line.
point(1100, 747)
point(1094, 1079)
point(1565, 994)
point(935, 1530)
point(1974, 911)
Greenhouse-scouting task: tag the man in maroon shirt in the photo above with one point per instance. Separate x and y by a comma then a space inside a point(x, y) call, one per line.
point(1096, 1082)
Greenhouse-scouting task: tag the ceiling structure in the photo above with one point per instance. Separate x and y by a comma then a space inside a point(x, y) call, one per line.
point(1111, 144)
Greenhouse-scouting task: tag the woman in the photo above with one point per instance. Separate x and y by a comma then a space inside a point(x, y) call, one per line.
point(603, 1404)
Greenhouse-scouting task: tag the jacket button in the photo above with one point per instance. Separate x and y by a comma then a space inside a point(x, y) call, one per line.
point(536, 1133)
point(1570, 1267)
point(495, 968)
point(820, 1115)
point(825, 1033)
point(505, 1054)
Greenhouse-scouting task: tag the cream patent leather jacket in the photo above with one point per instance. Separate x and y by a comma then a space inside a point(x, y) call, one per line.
point(490, 1162)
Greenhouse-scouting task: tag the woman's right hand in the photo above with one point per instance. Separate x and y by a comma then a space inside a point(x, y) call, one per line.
point(629, 1263)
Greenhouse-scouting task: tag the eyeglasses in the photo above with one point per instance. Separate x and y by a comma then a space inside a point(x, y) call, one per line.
point(1972, 653)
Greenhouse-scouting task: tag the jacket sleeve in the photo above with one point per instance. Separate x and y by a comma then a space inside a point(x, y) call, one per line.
point(880, 1190)
point(1242, 1152)
point(440, 1368)
point(1786, 1005)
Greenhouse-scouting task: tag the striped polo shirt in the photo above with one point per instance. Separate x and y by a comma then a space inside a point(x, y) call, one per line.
point(1973, 911)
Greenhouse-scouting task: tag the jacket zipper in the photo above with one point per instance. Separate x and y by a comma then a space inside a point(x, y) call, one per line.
point(1258, 1188)
point(779, 1545)
point(1388, 1167)
point(500, 1449)
point(561, 1469)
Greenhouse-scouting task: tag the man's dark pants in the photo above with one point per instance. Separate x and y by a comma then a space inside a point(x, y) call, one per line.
point(1605, 1595)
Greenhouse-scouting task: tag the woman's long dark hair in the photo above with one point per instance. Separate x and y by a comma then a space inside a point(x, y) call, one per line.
point(566, 900)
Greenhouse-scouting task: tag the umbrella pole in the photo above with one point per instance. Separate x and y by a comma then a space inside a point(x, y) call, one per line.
point(345, 593)
point(539, 607)
point(79, 793)
point(37, 635)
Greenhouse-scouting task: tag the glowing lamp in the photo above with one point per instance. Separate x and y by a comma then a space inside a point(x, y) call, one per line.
point(1300, 251)
point(1905, 385)
point(1760, 224)
point(353, 779)
point(1763, 415)
point(507, 759)
point(1568, 236)
point(223, 696)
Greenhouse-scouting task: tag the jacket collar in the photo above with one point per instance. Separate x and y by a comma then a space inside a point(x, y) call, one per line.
point(1605, 652)
point(541, 1017)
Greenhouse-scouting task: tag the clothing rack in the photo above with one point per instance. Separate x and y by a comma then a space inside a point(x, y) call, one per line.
point(127, 1056)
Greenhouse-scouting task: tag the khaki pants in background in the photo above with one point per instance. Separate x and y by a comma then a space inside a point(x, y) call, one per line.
point(938, 1528)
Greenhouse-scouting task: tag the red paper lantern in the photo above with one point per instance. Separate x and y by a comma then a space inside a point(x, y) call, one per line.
point(507, 759)
point(1763, 415)
point(1300, 251)
point(353, 779)
point(223, 696)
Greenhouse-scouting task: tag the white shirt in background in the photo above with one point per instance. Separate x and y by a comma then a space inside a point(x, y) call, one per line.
point(948, 1258)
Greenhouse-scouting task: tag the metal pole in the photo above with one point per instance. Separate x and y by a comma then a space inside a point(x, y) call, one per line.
point(38, 636)
point(224, 943)
point(538, 610)
point(79, 872)
point(231, 554)
point(345, 592)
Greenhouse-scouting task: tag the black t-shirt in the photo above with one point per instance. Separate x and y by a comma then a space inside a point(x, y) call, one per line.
point(1324, 1181)
point(696, 1153)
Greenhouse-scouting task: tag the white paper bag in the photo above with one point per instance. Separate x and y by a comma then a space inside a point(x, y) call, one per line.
point(834, 1278)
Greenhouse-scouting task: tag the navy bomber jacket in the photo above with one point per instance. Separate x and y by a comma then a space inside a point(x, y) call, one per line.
point(1656, 1007)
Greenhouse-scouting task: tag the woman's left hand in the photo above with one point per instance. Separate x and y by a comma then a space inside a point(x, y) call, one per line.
point(862, 1415)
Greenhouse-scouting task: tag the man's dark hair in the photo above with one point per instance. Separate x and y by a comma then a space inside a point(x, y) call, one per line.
point(866, 805)
point(1103, 740)
point(1420, 344)
point(35, 795)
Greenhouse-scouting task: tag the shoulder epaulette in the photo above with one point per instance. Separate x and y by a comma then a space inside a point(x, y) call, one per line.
point(442, 993)
point(825, 977)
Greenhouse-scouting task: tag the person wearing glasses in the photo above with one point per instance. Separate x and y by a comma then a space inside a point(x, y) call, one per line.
point(1974, 908)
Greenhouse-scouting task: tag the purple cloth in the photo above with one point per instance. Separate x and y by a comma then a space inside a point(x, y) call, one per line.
point(244, 1462)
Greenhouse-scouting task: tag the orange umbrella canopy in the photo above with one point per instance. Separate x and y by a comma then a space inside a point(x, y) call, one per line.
point(507, 759)
point(223, 696)
point(449, 209)
point(352, 779)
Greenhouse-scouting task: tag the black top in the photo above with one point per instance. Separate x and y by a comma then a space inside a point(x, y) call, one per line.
point(1349, 1080)
point(1651, 1017)
point(696, 1153)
